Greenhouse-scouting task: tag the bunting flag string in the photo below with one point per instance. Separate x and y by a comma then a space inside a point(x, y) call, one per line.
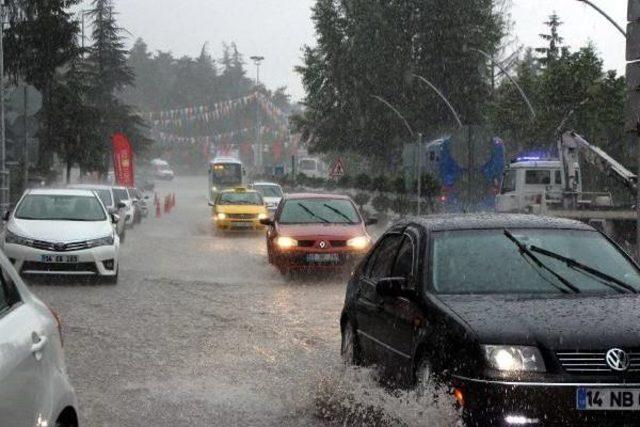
point(226, 137)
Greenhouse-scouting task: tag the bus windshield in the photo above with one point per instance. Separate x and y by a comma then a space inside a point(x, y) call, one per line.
point(226, 174)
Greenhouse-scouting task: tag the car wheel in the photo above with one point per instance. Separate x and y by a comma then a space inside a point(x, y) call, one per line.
point(349, 345)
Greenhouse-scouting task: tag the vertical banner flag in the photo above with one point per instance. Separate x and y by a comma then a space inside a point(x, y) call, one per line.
point(122, 160)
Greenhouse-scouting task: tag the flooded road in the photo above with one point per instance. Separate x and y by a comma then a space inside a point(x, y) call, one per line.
point(201, 330)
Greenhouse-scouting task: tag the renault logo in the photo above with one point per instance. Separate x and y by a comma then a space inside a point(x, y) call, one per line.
point(323, 244)
point(617, 359)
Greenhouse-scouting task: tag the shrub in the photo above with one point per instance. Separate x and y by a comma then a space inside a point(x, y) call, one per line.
point(362, 181)
point(398, 185)
point(381, 203)
point(381, 183)
point(345, 181)
point(361, 199)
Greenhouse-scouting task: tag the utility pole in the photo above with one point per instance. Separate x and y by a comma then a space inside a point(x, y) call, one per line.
point(4, 190)
point(258, 60)
point(25, 172)
point(419, 173)
point(632, 122)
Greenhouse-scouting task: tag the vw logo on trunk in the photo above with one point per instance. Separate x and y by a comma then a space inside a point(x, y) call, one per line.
point(617, 359)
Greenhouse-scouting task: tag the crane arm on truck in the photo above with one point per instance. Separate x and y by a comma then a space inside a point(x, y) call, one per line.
point(570, 144)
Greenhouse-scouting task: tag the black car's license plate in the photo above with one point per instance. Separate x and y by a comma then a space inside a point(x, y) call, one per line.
point(607, 399)
point(59, 259)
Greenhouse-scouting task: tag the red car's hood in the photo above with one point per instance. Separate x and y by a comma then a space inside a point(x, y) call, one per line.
point(299, 231)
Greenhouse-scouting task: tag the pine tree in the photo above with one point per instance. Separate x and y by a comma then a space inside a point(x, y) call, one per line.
point(551, 52)
point(110, 74)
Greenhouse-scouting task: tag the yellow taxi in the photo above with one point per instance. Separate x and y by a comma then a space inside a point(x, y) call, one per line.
point(239, 208)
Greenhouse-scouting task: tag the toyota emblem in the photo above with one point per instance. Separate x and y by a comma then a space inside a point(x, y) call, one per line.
point(323, 244)
point(617, 359)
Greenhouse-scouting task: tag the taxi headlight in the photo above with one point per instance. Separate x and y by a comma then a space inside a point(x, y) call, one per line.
point(263, 216)
point(514, 358)
point(221, 216)
point(286, 242)
point(360, 242)
point(14, 239)
point(103, 241)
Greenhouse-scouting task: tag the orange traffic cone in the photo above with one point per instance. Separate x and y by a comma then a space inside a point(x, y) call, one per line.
point(158, 210)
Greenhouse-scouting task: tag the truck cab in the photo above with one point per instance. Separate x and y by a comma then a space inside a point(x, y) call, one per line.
point(529, 180)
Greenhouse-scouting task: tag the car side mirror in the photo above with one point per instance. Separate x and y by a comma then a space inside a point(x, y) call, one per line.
point(266, 221)
point(122, 205)
point(371, 221)
point(115, 218)
point(393, 287)
point(6, 215)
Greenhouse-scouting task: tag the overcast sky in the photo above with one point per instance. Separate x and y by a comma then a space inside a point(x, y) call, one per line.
point(277, 29)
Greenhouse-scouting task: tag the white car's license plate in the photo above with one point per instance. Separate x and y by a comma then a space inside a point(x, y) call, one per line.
point(323, 258)
point(64, 259)
point(608, 399)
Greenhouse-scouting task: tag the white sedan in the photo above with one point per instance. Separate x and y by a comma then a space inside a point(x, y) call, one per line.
point(34, 386)
point(271, 194)
point(62, 232)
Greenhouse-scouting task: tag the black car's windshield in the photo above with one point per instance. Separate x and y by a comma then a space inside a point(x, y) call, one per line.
point(269, 190)
point(60, 207)
point(240, 198)
point(309, 211)
point(486, 262)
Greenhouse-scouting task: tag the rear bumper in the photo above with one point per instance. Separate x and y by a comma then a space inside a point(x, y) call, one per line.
point(488, 402)
point(239, 224)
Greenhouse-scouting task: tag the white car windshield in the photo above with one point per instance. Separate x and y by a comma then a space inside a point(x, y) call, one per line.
point(55, 207)
point(269, 190)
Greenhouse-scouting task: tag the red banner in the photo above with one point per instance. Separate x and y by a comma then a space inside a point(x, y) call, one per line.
point(123, 160)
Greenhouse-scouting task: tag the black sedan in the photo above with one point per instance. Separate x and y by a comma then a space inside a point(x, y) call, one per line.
point(523, 319)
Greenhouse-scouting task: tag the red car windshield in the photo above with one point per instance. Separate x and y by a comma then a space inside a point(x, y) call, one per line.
point(314, 211)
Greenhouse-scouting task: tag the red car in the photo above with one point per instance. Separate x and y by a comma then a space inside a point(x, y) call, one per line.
point(323, 231)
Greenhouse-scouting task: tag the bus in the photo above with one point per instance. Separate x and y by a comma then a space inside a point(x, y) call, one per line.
point(224, 173)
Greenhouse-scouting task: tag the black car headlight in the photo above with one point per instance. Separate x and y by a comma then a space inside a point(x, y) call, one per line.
point(514, 358)
point(103, 241)
point(14, 239)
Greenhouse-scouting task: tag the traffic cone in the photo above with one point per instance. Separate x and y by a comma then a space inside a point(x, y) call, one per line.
point(158, 210)
point(166, 204)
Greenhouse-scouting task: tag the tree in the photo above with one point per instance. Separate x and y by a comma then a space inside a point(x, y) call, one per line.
point(374, 48)
point(551, 52)
point(41, 39)
point(109, 75)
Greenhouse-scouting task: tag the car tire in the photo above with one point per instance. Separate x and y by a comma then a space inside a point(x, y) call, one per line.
point(349, 349)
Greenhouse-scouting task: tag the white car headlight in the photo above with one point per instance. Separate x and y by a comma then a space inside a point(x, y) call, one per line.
point(14, 239)
point(514, 358)
point(360, 242)
point(221, 215)
point(286, 242)
point(103, 241)
point(263, 216)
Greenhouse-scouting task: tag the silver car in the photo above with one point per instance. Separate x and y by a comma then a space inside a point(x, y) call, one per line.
point(34, 387)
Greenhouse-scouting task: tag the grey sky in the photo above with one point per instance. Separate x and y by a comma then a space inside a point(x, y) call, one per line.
point(277, 29)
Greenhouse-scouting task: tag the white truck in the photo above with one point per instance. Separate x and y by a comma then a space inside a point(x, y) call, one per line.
point(553, 187)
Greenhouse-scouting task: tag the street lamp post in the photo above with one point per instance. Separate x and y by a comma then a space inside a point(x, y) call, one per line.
point(258, 61)
point(4, 191)
point(419, 141)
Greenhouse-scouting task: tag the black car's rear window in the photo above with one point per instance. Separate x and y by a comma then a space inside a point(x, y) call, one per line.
point(487, 262)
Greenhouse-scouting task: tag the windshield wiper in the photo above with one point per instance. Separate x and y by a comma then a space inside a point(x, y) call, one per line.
point(524, 251)
point(585, 269)
point(339, 212)
point(310, 212)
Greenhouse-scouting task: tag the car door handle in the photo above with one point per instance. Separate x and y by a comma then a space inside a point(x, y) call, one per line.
point(38, 346)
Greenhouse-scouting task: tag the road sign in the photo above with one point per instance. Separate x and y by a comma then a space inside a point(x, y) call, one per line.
point(337, 169)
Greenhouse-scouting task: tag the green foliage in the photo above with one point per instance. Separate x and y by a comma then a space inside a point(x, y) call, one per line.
point(381, 203)
point(374, 48)
point(345, 182)
point(381, 183)
point(361, 199)
point(362, 181)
